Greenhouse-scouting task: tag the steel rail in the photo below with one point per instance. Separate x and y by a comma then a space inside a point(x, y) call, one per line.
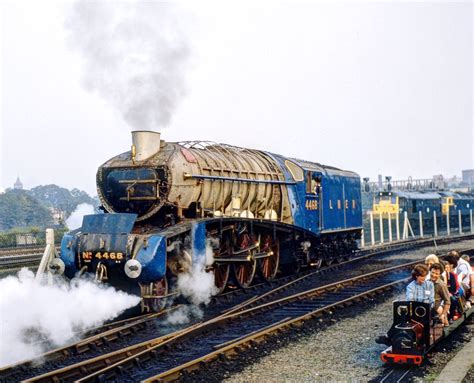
point(396, 374)
point(238, 310)
point(26, 250)
point(251, 302)
point(232, 348)
point(208, 326)
point(94, 341)
point(112, 332)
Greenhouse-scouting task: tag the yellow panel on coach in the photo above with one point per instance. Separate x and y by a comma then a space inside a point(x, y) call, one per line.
point(447, 202)
point(385, 203)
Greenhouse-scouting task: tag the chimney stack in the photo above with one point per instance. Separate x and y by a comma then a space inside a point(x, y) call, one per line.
point(145, 144)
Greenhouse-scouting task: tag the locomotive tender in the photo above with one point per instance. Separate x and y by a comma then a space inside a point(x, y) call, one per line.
point(238, 211)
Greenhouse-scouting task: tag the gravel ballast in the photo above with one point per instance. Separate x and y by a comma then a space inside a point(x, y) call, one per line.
point(345, 350)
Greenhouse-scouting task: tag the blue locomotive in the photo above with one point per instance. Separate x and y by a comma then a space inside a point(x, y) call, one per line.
point(237, 212)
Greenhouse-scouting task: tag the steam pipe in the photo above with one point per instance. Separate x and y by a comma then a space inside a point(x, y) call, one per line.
point(232, 179)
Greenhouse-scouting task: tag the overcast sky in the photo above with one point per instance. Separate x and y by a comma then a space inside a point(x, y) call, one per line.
point(374, 87)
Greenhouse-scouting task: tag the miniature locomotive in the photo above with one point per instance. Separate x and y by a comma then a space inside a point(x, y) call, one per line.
point(414, 333)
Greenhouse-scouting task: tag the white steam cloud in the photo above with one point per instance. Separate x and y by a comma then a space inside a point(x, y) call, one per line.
point(197, 285)
point(75, 219)
point(183, 315)
point(135, 57)
point(35, 317)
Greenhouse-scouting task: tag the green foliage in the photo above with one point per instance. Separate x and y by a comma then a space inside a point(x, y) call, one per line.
point(29, 210)
point(61, 198)
point(19, 209)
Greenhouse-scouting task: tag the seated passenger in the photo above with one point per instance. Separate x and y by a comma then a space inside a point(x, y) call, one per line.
point(453, 286)
point(420, 289)
point(429, 260)
point(465, 275)
point(442, 301)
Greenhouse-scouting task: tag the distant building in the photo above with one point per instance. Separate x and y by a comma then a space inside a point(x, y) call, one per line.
point(58, 216)
point(468, 177)
point(18, 185)
point(453, 182)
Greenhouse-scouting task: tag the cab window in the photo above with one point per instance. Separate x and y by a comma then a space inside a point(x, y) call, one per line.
point(313, 184)
point(295, 170)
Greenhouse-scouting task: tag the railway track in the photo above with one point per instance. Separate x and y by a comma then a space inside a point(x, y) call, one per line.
point(16, 261)
point(168, 357)
point(22, 250)
point(13, 258)
point(122, 329)
point(109, 333)
point(397, 374)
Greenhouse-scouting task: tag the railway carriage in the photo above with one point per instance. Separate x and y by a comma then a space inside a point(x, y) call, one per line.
point(441, 203)
point(238, 212)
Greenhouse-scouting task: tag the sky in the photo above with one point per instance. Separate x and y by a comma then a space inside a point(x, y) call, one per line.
point(373, 87)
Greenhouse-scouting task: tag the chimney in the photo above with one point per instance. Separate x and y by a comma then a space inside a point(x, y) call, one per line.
point(145, 144)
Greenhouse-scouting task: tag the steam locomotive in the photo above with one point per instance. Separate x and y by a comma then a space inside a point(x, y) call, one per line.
point(414, 333)
point(237, 212)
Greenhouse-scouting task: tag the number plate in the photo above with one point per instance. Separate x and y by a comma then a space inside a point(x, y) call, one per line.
point(88, 256)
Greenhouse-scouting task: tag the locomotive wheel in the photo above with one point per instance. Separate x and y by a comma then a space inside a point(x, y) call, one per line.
point(221, 270)
point(268, 266)
point(158, 288)
point(221, 276)
point(244, 272)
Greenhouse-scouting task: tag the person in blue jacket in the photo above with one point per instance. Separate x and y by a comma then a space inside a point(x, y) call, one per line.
point(420, 289)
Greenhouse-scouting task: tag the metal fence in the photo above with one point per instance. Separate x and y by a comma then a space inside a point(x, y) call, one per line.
point(380, 228)
point(28, 239)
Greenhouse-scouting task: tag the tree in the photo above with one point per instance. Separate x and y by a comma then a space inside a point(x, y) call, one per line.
point(61, 198)
point(19, 209)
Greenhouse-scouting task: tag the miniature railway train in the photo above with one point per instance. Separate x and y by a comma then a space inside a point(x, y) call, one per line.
point(241, 212)
point(413, 333)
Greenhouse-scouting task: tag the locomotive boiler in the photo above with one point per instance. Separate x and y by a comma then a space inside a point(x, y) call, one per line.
point(238, 212)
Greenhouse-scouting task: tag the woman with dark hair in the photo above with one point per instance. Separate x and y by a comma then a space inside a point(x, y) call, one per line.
point(465, 275)
point(420, 289)
point(454, 287)
point(441, 294)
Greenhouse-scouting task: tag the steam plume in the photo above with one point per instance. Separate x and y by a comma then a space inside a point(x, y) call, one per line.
point(74, 221)
point(135, 57)
point(35, 317)
point(198, 285)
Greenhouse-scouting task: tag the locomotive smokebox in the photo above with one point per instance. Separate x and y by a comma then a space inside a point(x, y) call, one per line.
point(145, 144)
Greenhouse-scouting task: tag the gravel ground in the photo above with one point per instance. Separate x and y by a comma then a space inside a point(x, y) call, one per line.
point(341, 348)
point(469, 377)
point(345, 351)
point(444, 352)
point(324, 355)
